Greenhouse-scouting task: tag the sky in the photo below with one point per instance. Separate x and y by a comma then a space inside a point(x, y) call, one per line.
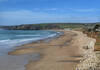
point(16, 12)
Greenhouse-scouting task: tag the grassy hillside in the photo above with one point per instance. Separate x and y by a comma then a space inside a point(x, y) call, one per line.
point(46, 26)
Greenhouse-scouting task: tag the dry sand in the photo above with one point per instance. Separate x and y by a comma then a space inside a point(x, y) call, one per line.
point(62, 53)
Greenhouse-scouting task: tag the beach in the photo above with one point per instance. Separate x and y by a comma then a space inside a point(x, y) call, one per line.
point(49, 35)
point(62, 53)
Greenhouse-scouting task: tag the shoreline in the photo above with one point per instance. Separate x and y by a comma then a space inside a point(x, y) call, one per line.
point(47, 50)
point(46, 40)
point(17, 62)
point(61, 53)
point(58, 34)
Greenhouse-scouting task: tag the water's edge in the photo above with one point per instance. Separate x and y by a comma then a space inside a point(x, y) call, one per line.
point(17, 62)
point(58, 34)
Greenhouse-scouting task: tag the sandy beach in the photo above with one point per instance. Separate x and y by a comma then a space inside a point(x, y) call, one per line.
point(49, 35)
point(62, 53)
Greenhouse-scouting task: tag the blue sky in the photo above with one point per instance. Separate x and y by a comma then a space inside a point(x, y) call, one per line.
point(15, 12)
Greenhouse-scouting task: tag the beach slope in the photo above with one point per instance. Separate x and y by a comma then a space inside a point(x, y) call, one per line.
point(61, 53)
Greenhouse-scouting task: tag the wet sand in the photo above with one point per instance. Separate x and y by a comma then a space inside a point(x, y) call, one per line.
point(62, 53)
point(9, 62)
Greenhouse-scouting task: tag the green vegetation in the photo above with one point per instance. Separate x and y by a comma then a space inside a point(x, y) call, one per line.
point(46, 26)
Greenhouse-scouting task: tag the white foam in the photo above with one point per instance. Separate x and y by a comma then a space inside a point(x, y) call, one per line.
point(52, 35)
point(5, 40)
point(23, 41)
point(9, 43)
point(28, 35)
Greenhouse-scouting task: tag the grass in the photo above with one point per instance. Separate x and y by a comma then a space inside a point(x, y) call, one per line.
point(97, 45)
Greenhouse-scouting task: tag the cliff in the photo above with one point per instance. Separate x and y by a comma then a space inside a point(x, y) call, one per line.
point(91, 58)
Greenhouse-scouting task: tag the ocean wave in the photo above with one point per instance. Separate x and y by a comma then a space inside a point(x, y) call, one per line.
point(28, 35)
point(5, 40)
point(52, 35)
point(24, 40)
point(10, 40)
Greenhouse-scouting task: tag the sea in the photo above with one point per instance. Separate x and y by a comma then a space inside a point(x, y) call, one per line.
point(11, 38)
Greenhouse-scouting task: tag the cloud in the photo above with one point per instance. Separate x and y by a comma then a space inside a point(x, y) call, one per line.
point(84, 10)
point(45, 9)
point(26, 17)
point(67, 9)
point(3, 0)
point(29, 17)
point(51, 9)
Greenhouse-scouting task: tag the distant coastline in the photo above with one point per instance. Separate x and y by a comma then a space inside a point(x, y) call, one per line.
point(47, 26)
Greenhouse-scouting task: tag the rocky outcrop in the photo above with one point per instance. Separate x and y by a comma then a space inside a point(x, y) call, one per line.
point(90, 59)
